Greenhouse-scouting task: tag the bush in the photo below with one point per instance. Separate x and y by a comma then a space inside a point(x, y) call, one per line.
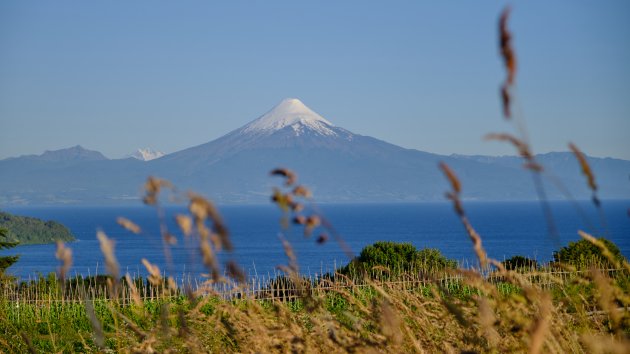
point(520, 263)
point(399, 258)
point(582, 254)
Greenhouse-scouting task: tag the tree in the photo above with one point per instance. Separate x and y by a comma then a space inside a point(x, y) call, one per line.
point(583, 254)
point(520, 263)
point(398, 258)
point(6, 261)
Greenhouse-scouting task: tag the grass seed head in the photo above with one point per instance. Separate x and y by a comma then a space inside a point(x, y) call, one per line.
point(302, 191)
point(521, 146)
point(452, 177)
point(64, 254)
point(107, 247)
point(506, 100)
point(290, 176)
point(203, 209)
point(185, 223)
point(505, 45)
point(311, 223)
point(155, 278)
point(152, 188)
point(170, 239)
point(586, 168)
point(235, 272)
point(299, 220)
point(129, 225)
point(322, 238)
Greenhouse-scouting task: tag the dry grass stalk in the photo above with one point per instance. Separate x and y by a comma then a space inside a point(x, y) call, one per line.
point(607, 299)
point(605, 251)
point(107, 247)
point(170, 239)
point(487, 319)
point(152, 188)
point(322, 238)
point(64, 254)
point(452, 178)
point(311, 223)
point(302, 191)
point(299, 220)
point(540, 328)
point(97, 327)
point(155, 278)
point(203, 209)
point(506, 101)
point(605, 344)
point(454, 196)
point(586, 171)
point(586, 168)
point(235, 272)
point(209, 259)
point(288, 204)
point(133, 290)
point(289, 176)
point(29, 343)
point(185, 224)
point(505, 43)
point(129, 225)
point(390, 323)
point(521, 146)
point(476, 240)
point(509, 59)
point(288, 251)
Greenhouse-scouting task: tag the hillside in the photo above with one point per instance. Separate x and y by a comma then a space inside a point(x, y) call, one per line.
point(28, 230)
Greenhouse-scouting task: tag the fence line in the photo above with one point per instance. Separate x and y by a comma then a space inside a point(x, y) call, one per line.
point(277, 288)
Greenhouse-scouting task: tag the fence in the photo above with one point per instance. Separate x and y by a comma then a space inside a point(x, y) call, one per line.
point(272, 288)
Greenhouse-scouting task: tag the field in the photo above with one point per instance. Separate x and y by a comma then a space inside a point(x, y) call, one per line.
point(536, 310)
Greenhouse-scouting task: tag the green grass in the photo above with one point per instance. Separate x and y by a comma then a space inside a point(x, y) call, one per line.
point(54, 324)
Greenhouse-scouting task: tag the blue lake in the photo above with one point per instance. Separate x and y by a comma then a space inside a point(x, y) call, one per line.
point(507, 229)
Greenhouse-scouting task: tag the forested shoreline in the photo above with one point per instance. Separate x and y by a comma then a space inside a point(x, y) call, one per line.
point(28, 230)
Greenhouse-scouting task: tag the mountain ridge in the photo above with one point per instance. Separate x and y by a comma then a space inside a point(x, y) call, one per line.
point(335, 163)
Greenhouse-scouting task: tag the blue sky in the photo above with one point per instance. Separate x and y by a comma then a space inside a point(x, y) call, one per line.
point(117, 75)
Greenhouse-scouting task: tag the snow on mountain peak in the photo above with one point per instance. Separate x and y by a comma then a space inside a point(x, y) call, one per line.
point(290, 112)
point(147, 154)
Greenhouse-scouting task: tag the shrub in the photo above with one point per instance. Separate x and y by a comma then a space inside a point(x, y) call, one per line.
point(398, 258)
point(519, 262)
point(583, 253)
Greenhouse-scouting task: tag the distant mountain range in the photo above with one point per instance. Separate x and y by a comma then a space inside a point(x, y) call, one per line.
point(338, 165)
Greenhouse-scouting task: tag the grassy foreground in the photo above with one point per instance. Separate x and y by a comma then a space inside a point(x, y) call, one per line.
point(459, 311)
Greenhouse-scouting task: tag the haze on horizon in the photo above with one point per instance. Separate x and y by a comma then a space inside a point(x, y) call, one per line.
point(117, 76)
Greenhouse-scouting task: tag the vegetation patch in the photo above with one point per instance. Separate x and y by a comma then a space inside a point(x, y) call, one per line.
point(27, 230)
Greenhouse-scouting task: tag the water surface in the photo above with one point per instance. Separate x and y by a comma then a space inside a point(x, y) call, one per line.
point(507, 229)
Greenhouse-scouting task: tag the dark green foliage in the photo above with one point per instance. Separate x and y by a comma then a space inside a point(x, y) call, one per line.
point(583, 254)
point(29, 230)
point(398, 258)
point(520, 263)
point(6, 261)
point(286, 288)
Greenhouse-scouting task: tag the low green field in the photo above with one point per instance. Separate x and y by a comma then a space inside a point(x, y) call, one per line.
point(455, 311)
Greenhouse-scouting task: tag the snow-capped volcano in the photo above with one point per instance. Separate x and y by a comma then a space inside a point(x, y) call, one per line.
point(147, 154)
point(290, 112)
point(289, 124)
point(336, 164)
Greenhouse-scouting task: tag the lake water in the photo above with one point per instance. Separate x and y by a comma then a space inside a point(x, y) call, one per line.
point(507, 229)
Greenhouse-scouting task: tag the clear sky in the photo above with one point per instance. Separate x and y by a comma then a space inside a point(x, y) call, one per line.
point(114, 76)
